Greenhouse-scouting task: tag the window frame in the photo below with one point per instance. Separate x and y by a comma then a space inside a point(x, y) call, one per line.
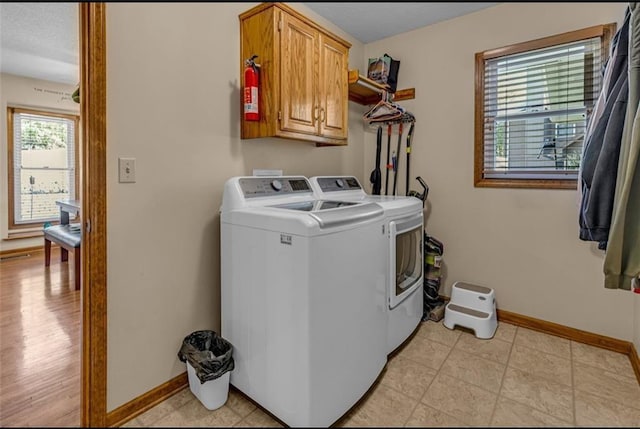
point(11, 111)
point(604, 31)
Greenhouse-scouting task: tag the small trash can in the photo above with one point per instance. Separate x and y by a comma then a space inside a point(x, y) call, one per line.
point(209, 360)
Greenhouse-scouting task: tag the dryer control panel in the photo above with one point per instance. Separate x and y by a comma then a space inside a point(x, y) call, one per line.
point(332, 184)
point(266, 186)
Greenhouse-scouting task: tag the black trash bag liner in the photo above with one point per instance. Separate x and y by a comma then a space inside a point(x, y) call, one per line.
point(208, 353)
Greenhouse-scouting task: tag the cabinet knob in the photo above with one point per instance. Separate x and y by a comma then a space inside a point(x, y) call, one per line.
point(324, 114)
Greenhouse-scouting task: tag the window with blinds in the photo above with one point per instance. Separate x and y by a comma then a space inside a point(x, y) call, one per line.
point(533, 103)
point(43, 165)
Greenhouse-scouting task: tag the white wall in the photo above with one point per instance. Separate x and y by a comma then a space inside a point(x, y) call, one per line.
point(173, 84)
point(523, 243)
point(17, 91)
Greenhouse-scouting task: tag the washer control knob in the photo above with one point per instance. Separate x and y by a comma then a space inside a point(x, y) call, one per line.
point(276, 185)
point(340, 183)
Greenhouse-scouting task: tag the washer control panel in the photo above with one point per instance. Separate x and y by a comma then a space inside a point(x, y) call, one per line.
point(332, 184)
point(265, 186)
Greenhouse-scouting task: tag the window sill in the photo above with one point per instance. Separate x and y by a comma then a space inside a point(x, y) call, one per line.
point(526, 184)
point(17, 235)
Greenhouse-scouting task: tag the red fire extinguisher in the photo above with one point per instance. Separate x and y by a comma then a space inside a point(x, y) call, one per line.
point(251, 84)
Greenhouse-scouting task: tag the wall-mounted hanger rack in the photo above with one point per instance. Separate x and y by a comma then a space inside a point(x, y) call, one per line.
point(387, 112)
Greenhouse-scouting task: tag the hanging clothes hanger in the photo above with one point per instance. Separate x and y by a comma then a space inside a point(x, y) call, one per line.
point(405, 118)
point(384, 110)
point(383, 102)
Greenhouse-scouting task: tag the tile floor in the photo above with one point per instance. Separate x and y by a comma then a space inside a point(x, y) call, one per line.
point(443, 377)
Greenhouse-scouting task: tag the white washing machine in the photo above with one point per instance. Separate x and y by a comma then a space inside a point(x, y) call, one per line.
point(403, 249)
point(303, 290)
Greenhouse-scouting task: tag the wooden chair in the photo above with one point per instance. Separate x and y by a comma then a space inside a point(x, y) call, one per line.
point(69, 241)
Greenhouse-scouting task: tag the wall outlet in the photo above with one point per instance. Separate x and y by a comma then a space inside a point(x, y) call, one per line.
point(127, 170)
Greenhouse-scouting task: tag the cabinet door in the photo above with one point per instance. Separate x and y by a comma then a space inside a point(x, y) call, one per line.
point(298, 76)
point(334, 88)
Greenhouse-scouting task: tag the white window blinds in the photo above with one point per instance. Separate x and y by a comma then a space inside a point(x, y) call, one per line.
point(535, 109)
point(44, 162)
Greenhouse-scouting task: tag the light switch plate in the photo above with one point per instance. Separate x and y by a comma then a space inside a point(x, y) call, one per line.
point(127, 170)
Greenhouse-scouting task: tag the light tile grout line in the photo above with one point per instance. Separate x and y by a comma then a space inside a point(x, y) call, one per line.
point(243, 419)
point(504, 374)
point(171, 412)
point(502, 381)
point(258, 408)
point(598, 393)
point(437, 342)
point(454, 345)
point(238, 414)
point(437, 374)
point(418, 401)
point(525, 371)
point(432, 380)
point(627, 374)
point(157, 405)
point(480, 387)
point(196, 399)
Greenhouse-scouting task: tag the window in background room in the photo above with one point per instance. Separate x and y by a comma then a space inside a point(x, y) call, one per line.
point(42, 165)
point(533, 102)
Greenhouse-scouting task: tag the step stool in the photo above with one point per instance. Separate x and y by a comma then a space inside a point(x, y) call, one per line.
point(472, 307)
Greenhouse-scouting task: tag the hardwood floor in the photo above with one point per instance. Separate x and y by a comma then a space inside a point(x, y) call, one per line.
point(40, 338)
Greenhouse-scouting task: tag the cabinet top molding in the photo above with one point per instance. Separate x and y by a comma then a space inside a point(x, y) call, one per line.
point(288, 9)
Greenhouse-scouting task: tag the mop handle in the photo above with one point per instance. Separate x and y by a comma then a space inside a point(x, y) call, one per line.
point(389, 166)
point(409, 135)
point(395, 174)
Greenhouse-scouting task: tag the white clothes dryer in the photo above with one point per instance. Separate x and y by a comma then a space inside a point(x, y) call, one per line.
point(303, 289)
point(403, 248)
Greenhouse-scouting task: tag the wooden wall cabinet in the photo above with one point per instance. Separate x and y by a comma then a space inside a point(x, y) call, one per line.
point(304, 92)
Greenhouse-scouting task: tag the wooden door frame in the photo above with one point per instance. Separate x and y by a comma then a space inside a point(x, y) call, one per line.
point(93, 112)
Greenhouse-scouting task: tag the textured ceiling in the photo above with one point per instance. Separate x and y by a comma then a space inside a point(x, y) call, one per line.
point(369, 22)
point(40, 40)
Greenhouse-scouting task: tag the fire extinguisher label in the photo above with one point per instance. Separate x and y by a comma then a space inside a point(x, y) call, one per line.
point(251, 99)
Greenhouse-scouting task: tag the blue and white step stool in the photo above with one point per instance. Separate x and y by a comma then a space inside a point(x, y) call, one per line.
point(472, 307)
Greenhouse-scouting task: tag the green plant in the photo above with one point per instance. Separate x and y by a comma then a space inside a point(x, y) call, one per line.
point(43, 135)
